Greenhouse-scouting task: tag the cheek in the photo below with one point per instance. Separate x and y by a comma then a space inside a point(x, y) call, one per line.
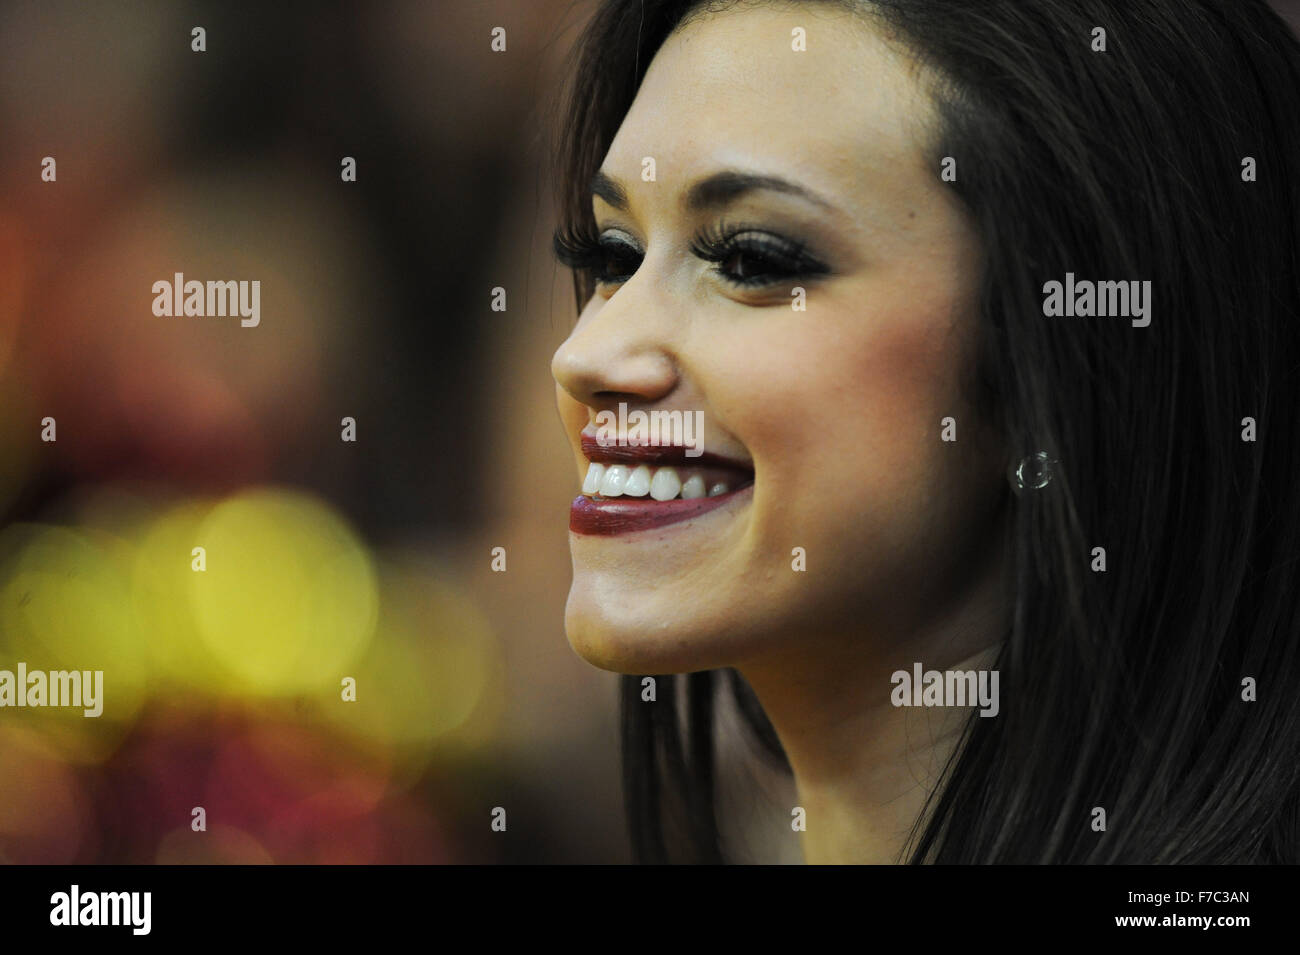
point(856, 404)
point(846, 425)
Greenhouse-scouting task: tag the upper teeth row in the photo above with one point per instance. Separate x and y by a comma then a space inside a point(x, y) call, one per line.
point(662, 484)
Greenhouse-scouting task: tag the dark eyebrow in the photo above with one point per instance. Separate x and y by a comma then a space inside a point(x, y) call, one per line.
point(711, 192)
point(608, 189)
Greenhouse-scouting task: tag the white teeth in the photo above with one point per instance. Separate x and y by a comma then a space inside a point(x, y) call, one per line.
point(591, 484)
point(611, 483)
point(638, 483)
point(693, 487)
point(661, 484)
point(665, 485)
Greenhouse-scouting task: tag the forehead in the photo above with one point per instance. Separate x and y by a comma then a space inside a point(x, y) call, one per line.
point(845, 116)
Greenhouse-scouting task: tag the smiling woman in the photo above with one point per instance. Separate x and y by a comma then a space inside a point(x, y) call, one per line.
point(760, 205)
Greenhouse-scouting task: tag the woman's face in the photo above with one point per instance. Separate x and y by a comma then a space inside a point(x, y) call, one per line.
point(837, 409)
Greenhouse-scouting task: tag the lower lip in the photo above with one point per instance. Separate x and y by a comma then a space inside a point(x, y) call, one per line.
point(624, 515)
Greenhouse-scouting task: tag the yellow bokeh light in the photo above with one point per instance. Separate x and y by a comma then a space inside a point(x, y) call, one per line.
point(432, 675)
point(160, 588)
point(65, 605)
point(288, 596)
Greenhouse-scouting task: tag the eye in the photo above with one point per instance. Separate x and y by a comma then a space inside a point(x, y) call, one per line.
point(750, 257)
point(609, 258)
point(746, 256)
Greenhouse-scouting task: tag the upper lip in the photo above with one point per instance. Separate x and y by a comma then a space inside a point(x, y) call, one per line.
point(660, 455)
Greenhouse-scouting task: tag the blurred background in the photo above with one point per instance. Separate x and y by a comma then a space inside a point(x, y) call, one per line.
point(325, 559)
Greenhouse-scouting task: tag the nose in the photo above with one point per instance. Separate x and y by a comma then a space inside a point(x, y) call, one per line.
point(616, 354)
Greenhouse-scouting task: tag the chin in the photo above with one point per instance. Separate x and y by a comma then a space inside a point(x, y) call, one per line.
point(653, 635)
point(624, 643)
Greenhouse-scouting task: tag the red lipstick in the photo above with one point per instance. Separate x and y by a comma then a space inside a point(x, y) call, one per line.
point(597, 515)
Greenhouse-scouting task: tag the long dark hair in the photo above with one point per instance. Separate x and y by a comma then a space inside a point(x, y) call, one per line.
point(1123, 689)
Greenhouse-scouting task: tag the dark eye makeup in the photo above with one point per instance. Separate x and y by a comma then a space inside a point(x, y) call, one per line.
point(745, 256)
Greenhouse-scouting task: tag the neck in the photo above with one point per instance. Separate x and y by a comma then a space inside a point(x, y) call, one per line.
point(864, 767)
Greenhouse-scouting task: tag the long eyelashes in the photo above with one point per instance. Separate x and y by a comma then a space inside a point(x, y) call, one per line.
point(757, 257)
point(745, 256)
point(583, 249)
